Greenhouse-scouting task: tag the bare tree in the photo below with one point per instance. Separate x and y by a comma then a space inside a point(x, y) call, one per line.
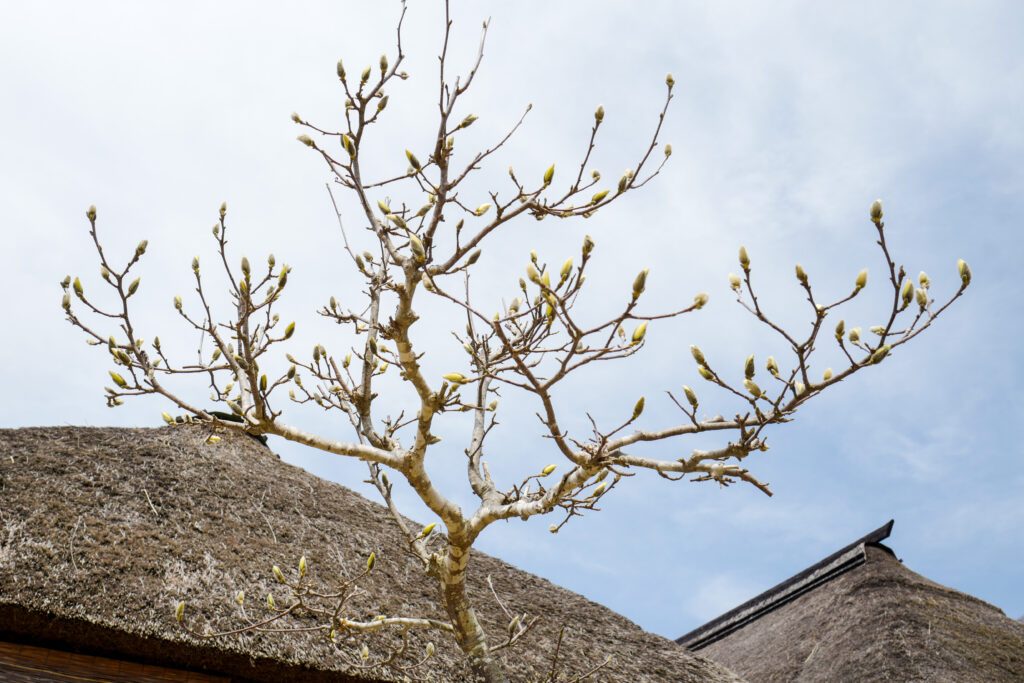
point(428, 248)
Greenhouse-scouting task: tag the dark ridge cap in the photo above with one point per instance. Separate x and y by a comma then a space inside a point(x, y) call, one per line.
point(814, 576)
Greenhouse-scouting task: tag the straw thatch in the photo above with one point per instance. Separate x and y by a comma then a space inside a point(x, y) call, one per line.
point(877, 621)
point(103, 531)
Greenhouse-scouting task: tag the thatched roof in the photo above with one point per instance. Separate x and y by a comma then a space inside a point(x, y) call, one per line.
point(864, 616)
point(103, 531)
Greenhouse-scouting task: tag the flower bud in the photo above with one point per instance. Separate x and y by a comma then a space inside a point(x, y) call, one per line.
point(705, 373)
point(290, 330)
point(799, 388)
point(801, 275)
point(691, 396)
point(277, 574)
point(548, 470)
point(549, 174)
point(772, 366)
point(65, 302)
point(91, 213)
point(566, 270)
point(734, 281)
point(828, 374)
point(455, 377)
point(77, 286)
point(862, 279)
point(599, 196)
point(639, 283)
point(118, 379)
point(744, 258)
point(668, 151)
point(922, 297)
point(468, 121)
point(213, 439)
point(168, 419)
point(416, 247)
point(639, 332)
point(752, 388)
point(700, 300)
point(427, 529)
point(341, 70)
point(270, 601)
point(698, 355)
point(638, 408)
point(430, 649)
point(413, 161)
point(482, 209)
point(588, 245)
point(840, 329)
point(748, 367)
point(855, 335)
point(179, 612)
point(876, 211)
point(305, 139)
point(302, 566)
point(877, 329)
point(599, 489)
point(141, 248)
point(669, 81)
point(907, 293)
point(599, 113)
point(965, 272)
point(923, 279)
point(879, 354)
point(531, 273)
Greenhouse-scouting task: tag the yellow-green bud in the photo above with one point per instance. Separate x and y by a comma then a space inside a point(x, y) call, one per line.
point(65, 302)
point(638, 408)
point(383, 63)
point(691, 396)
point(748, 367)
point(179, 612)
point(828, 374)
point(416, 246)
point(474, 257)
point(549, 174)
point(430, 649)
point(801, 275)
point(141, 248)
point(468, 121)
point(305, 139)
point(840, 329)
point(348, 360)
point(482, 209)
point(341, 70)
point(879, 354)
point(566, 270)
point(752, 388)
point(91, 213)
point(744, 258)
point(799, 388)
point(922, 297)
point(640, 283)
point(167, 418)
point(772, 366)
point(370, 561)
point(302, 566)
point(668, 151)
point(705, 373)
point(455, 377)
point(364, 654)
point(270, 601)
point(855, 335)
point(79, 291)
point(545, 280)
point(669, 81)
point(698, 355)
point(263, 383)
point(427, 529)
point(365, 75)
point(599, 196)
point(861, 279)
point(118, 379)
point(532, 273)
point(639, 332)
point(700, 300)
point(965, 272)
point(240, 598)
point(599, 489)
point(588, 245)
point(876, 211)
point(290, 330)
point(413, 161)
point(277, 574)
point(212, 439)
point(907, 293)
point(599, 113)
point(734, 281)
point(548, 470)
point(923, 279)
point(877, 329)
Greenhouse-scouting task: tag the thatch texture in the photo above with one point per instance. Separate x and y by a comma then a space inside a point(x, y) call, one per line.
point(879, 622)
point(103, 531)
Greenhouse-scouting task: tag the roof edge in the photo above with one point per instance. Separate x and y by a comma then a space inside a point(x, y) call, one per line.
point(836, 564)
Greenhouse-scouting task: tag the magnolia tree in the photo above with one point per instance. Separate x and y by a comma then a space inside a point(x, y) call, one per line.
point(427, 239)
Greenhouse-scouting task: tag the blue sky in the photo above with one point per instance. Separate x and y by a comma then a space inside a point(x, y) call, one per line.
point(789, 119)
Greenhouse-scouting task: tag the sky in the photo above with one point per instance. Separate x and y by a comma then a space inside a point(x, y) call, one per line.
point(788, 120)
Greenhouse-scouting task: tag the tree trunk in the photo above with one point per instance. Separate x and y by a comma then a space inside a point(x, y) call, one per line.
point(468, 633)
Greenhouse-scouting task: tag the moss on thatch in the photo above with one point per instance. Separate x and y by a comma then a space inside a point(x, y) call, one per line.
point(881, 622)
point(103, 531)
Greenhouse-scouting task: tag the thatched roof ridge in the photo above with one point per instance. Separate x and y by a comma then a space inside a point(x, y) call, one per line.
point(102, 531)
point(877, 621)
